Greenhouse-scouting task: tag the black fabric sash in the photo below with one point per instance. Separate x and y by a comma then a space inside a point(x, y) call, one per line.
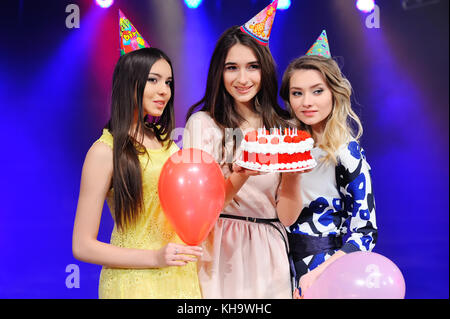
point(302, 246)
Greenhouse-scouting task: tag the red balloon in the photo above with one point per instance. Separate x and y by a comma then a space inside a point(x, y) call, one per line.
point(191, 190)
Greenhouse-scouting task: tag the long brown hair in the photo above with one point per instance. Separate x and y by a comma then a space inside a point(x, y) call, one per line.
point(342, 123)
point(219, 104)
point(129, 80)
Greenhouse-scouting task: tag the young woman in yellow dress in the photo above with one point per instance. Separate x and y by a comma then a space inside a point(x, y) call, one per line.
point(145, 258)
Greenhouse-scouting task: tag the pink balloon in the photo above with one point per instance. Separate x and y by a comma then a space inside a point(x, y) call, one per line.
point(359, 275)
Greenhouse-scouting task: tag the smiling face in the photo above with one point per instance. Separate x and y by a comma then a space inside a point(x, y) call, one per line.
point(157, 91)
point(310, 98)
point(242, 74)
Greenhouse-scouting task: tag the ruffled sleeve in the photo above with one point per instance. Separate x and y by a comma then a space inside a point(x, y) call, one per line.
point(355, 188)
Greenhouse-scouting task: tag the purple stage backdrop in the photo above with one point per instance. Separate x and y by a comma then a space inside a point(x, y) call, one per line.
point(55, 85)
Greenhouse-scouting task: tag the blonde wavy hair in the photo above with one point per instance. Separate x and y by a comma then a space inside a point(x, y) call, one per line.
point(342, 124)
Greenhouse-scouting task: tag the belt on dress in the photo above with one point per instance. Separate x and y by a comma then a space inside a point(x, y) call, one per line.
point(267, 221)
point(251, 219)
point(270, 221)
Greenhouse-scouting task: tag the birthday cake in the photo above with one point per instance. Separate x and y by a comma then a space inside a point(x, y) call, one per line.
point(277, 151)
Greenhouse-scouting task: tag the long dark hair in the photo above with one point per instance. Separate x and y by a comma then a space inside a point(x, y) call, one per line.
point(129, 80)
point(220, 104)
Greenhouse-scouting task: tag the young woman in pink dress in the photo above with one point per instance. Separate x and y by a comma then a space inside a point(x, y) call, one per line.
point(245, 255)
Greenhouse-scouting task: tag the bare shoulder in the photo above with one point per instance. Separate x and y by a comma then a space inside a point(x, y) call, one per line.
point(100, 150)
point(99, 157)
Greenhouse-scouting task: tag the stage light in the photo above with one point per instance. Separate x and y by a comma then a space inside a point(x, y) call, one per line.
point(365, 5)
point(283, 4)
point(104, 3)
point(193, 4)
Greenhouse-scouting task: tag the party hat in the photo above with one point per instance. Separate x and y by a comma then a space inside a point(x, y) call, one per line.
point(259, 26)
point(130, 38)
point(320, 47)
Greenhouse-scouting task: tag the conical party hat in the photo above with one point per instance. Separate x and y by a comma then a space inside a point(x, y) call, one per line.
point(130, 38)
point(320, 47)
point(259, 26)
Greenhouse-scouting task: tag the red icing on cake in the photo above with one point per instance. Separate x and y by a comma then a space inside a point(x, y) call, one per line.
point(287, 151)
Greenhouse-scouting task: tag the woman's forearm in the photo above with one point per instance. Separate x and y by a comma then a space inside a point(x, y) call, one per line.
point(96, 252)
point(289, 204)
point(288, 210)
point(330, 260)
point(232, 186)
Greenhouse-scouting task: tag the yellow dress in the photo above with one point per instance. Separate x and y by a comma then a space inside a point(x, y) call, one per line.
point(152, 231)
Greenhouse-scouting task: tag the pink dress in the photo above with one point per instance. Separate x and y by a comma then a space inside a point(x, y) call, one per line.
point(242, 259)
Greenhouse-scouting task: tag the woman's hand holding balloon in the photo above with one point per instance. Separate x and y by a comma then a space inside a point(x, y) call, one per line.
point(308, 279)
point(177, 255)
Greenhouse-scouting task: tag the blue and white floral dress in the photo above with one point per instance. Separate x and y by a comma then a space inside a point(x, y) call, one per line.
point(338, 209)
